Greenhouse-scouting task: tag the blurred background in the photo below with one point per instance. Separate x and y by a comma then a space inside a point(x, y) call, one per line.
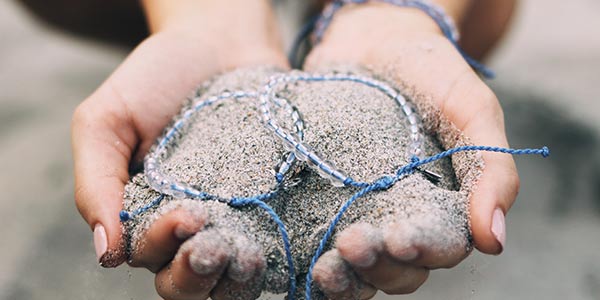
point(548, 82)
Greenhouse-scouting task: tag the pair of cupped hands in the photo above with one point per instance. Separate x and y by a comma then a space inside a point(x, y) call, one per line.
point(114, 128)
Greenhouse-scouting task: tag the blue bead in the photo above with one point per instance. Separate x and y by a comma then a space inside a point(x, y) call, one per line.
point(124, 216)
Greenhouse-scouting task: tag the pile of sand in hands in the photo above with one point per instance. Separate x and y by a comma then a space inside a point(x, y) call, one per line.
point(228, 152)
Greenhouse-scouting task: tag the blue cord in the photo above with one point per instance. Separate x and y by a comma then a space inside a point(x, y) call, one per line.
point(257, 201)
point(388, 181)
point(383, 183)
point(302, 35)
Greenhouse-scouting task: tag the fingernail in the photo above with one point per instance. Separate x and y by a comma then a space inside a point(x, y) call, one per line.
point(499, 227)
point(100, 241)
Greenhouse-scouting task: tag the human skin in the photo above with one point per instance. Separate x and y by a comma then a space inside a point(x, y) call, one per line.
point(407, 43)
point(114, 128)
point(193, 40)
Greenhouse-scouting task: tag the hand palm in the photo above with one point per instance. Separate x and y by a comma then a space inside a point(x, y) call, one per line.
point(124, 117)
point(428, 63)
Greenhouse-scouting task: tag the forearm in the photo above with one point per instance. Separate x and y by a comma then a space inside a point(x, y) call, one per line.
point(481, 23)
point(215, 14)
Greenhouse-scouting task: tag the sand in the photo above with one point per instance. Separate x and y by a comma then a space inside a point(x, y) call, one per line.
point(226, 151)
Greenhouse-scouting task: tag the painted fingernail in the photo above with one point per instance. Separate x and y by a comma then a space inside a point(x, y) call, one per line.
point(100, 241)
point(499, 227)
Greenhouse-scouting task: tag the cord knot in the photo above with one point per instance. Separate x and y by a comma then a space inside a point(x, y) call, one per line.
point(384, 182)
point(415, 159)
point(545, 151)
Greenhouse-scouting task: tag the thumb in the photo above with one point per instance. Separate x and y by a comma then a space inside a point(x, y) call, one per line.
point(479, 115)
point(496, 189)
point(102, 140)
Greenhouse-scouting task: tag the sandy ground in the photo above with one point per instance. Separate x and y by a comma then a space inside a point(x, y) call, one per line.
point(548, 70)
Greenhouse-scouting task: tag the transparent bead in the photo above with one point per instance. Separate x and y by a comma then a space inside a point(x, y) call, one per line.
point(400, 100)
point(156, 184)
point(389, 91)
point(416, 138)
point(339, 176)
point(336, 182)
point(290, 158)
point(283, 168)
point(407, 109)
point(225, 95)
point(299, 125)
point(190, 192)
point(416, 148)
point(413, 120)
point(414, 130)
point(210, 101)
point(270, 125)
point(290, 111)
point(151, 159)
point(298, 136)
point(240, 94)
point(301, 152)
point(325, 171)
point(150, 166)
point(313, 159)
point(294, 114)
point(188, 113)
point(177, 191)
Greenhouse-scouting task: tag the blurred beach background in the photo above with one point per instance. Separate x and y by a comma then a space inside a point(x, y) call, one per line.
point(548, 82)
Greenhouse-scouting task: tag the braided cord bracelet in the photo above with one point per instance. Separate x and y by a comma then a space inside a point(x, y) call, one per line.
point(267, 103)
point(319, 24)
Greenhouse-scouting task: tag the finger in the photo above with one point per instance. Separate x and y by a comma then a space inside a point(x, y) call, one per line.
point(393, 277)
point(495, 192)
point(243, 278)
point(423, 246)
point(337, 280)
point(196, 269)
point(362, 246)
point(161, 241)
point(478, 114)
point(102, 142)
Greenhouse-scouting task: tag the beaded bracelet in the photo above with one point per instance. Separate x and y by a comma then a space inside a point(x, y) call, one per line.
point(305, 153)
point(268, 104)
point(319, 25)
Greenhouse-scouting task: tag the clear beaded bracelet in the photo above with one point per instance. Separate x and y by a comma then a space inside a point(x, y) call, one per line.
point(166, 185)
point(269, 104)
point(325, 168)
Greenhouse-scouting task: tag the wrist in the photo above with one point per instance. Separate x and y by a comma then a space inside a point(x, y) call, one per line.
point(239, 32)
point(376, 22)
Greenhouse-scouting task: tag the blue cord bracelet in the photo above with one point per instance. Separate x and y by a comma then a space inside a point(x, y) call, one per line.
point(319, 24)
point(267, 101)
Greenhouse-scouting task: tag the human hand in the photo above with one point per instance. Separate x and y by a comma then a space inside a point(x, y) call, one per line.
point(114, 128)
point(408, 42)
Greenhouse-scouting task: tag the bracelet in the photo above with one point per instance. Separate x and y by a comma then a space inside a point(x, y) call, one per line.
point(319, 25)
point(272, 107)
